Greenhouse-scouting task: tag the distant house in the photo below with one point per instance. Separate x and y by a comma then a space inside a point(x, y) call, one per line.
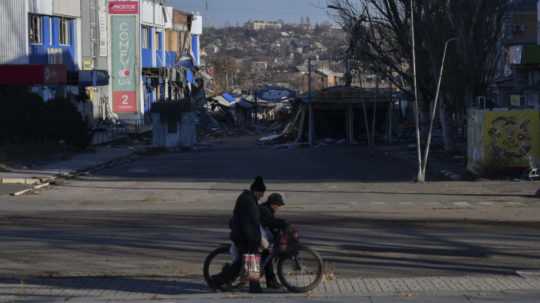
point(262, 25)
point(328, 78)
point(259, 66)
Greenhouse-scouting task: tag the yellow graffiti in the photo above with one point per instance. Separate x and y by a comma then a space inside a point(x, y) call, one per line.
point(510, 137)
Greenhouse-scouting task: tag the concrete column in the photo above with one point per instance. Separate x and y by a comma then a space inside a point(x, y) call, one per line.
point(350, 124)
point(311, 125)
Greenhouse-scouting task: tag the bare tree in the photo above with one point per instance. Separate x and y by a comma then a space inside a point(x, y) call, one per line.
point(380, 42)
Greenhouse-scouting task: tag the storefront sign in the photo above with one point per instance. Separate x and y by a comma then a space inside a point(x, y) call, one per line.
point(124, 72)
point(123, 7)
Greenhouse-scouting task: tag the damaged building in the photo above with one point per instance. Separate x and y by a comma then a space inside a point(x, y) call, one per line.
point(342, 114)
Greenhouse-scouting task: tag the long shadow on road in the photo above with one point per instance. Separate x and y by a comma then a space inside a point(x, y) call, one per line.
point(285, 190)
point(175, 244)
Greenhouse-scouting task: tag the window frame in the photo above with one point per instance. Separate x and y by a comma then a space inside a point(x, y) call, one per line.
point(157, 41)
point(35, 20)
point(145, 42)
point(64, 32)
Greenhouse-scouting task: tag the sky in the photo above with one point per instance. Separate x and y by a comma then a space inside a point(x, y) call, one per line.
point(232, 12)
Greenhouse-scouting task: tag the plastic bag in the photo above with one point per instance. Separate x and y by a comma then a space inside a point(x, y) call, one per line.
point(252, 267)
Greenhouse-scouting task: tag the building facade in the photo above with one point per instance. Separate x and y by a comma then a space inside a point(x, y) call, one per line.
point(149, 50)
point(40, 32)
point(518, 75)
point(141, 44)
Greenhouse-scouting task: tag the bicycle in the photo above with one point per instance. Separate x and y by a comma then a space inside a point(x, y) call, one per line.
point(299, 268)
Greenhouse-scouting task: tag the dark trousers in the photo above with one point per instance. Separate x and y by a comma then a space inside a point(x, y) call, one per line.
point(269, 269)
point(231, 273)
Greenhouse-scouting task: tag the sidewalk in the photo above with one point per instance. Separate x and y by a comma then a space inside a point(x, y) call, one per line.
point(46, 173)
point(148, 289)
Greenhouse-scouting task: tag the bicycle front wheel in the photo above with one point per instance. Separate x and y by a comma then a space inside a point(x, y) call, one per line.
point(302, 271)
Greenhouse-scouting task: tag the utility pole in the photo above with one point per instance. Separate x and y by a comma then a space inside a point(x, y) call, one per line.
point(310, 106)
point(309, 79)
point(421, 177)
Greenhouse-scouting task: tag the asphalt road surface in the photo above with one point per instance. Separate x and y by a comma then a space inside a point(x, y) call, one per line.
point(161, 215)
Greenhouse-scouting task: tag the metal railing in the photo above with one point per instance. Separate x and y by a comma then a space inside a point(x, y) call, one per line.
point(110, 131)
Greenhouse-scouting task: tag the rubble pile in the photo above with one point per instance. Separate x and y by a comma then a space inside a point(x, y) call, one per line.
point(240, 114)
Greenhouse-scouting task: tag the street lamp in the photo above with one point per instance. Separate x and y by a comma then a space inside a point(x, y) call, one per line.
point(421, 176)
point(435, 103)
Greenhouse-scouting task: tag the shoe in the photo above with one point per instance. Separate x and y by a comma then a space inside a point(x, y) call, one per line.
point(255, 288)
point(218, 283)
point(215, 281)
point(272, 283)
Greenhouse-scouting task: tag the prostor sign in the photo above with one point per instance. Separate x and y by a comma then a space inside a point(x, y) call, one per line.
point(123, 7)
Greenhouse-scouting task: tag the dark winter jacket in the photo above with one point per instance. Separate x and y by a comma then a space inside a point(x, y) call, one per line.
point(245, 223)
point(269, 220)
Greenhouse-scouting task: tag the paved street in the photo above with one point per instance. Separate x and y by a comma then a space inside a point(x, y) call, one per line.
point(141, 230)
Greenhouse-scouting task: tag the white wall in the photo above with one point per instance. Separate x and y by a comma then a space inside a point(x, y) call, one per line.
point(147, 12)
point(13, 32)
point(160, 15)
point(44, 7)
point(152, 13)
point(197, 24)
point(169, 14)
point(69, 8)
point(78, 43)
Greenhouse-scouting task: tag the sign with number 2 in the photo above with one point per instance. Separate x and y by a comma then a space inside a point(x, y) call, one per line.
point(124, 102)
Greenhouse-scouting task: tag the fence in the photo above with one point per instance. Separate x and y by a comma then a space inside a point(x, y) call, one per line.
point(107, 132)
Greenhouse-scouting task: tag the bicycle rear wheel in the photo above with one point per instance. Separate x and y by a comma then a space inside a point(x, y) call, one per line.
point(302, 271)
point(214, 264)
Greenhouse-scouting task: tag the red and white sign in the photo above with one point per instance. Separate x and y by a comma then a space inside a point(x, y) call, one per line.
point(119, 7)
point(124, 102)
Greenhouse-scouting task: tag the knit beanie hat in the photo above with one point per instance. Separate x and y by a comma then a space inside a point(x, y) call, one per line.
point(258, 185)
point(276, 199)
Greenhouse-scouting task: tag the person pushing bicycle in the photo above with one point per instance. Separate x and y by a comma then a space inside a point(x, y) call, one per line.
point(245, 234)
point(272, 227)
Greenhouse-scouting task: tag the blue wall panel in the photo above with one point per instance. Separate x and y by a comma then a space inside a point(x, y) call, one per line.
point(69, 53)
point(51, 39)
point(146, 53)
point(195, 49)
point(160, 59)
point(170, 59)
point(38, 52)
point(146, 58)
point(55, 32)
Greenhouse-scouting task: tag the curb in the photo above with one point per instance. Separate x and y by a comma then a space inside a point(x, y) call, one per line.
point(36, 187)
point(22, 181)
point(46, 182)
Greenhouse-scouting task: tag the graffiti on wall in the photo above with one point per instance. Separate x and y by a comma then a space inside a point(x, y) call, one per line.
point(511, 137)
